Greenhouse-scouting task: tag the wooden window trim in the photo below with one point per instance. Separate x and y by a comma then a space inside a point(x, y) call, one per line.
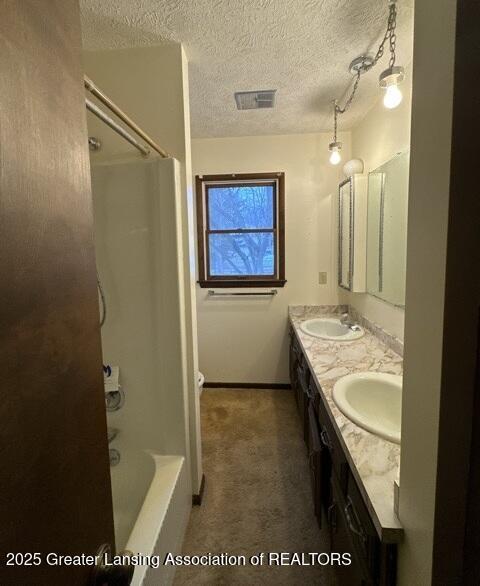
point(277, 280)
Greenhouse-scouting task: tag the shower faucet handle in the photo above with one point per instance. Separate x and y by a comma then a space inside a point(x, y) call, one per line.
point(106, 574)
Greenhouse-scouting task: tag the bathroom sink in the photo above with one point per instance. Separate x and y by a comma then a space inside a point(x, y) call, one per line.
point(329, 328)
point(372, 400)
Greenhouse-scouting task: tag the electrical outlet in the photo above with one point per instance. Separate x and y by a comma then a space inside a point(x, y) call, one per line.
point(322, 278)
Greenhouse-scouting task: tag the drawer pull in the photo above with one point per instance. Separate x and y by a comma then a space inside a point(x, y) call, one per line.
point(332, 516)
point(326, 440)
point(353, 526)
point(296, 349)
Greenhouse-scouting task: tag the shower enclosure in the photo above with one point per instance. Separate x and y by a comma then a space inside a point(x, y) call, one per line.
point(139, 260)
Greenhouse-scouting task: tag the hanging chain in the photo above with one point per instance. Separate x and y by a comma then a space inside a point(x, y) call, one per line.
point(391, 36)
point(392, 19)
point(335, 120)
point(350, 98)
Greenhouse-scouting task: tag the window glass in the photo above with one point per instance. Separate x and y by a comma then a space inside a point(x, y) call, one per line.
point(241, 254)
point(245, 206)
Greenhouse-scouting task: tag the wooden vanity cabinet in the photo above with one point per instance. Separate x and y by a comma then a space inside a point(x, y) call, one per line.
point(336, 496)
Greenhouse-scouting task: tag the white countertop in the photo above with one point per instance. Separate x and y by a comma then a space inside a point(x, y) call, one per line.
point(374, 461)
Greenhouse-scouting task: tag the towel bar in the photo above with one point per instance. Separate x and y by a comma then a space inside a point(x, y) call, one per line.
point(270, 293)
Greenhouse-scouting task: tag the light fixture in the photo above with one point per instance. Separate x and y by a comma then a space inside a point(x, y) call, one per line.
point(352, 167)
point(335, 146)
point(389, 79)
point(335, 156)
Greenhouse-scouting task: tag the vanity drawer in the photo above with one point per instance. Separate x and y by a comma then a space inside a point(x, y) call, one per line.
point(331, 442)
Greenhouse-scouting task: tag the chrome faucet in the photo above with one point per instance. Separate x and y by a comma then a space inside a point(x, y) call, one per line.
point(346, 321)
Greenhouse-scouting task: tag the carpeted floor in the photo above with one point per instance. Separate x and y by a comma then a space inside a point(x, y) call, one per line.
point(257, 495)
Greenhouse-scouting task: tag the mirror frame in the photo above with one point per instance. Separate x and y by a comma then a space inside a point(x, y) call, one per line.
point(350, 235)
point(397, 154)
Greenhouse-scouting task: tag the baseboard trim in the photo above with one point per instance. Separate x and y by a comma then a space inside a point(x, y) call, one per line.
point(213, 385)
point(197, 498)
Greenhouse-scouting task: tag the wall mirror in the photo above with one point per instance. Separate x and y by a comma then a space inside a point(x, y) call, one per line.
point(387, 229)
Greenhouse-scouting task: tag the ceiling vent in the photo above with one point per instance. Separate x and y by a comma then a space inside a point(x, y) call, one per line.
point(255, 100)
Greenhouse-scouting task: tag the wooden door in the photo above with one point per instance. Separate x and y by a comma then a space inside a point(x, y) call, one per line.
point(55, 491)
point(456, 543)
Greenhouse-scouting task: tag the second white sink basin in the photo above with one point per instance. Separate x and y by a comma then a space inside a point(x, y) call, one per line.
point(372, 400)
point(330, 328)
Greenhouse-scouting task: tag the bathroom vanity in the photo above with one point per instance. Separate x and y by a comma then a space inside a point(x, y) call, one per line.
point(352, 470)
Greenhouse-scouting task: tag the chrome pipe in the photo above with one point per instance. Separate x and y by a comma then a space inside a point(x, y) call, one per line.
point(270, 293)
point(94, 109)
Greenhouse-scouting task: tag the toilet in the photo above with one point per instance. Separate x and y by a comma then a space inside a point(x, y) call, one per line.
point(201, 380)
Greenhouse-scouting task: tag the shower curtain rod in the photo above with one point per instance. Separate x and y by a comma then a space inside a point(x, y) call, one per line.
point(97, 92)
point(94, 109)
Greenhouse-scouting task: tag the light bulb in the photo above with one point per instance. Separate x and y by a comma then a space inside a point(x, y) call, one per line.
point(393, 96)
point(335, 157)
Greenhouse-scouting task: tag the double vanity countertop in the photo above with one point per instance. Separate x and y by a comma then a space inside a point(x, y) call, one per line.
point(374, 461)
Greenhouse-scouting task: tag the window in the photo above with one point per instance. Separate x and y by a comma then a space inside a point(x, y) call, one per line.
point(241, 230)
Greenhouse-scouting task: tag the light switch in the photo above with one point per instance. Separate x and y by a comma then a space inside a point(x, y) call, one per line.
point(322, 278)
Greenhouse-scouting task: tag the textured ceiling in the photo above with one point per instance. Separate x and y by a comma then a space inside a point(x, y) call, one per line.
point(300, 48)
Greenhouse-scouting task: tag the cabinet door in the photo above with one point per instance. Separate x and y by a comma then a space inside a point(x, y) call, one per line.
point(333, 447)
point(292, 365)
point(303, 375)
point(292, 361)
point(315, 461)
point(341, 542)
point(297, 371)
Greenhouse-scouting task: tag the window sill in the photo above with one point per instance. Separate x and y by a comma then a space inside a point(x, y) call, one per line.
point(238, 283)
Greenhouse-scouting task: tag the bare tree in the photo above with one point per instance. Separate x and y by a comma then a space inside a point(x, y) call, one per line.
point(245, 210)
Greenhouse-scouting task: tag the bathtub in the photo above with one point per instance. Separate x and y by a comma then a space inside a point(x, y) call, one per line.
point(153, 523)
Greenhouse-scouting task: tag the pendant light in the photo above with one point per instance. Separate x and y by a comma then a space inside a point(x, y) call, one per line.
point(394, 74)
point(389, 79)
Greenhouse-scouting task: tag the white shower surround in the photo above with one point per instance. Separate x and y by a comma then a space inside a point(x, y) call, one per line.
point(139, 258)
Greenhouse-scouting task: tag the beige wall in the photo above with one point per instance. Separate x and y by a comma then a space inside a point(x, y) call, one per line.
point(380, 135)
point(426, 262)
point(246, 340)
point(151, 85)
